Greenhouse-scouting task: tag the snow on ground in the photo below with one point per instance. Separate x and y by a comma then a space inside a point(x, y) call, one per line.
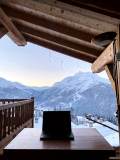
point(111, 136)
point(113, 139)
point(73, 125)
point(39, 124)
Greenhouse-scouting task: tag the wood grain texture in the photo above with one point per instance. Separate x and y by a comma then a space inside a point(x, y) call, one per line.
point(15, 35)
point(109, 71)
point(108, 7)
point(6, 106)
point(59, 38)
point(87, 140)
point(13, 119)
point(62, 11)
point(1, 125)
point(106, 57)
point(61, 49)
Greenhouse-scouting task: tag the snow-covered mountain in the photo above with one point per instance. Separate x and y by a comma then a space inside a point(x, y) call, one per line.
point(8, 84)
point(16, 90)
point(82, 79)
point(85, 92)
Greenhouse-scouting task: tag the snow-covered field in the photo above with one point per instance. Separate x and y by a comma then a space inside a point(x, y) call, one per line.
point(111, 136)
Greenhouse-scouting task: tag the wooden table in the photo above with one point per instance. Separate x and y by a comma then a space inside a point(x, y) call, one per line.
point(88, 144)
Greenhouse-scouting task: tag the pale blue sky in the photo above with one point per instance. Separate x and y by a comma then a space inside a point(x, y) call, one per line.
point(33, 65)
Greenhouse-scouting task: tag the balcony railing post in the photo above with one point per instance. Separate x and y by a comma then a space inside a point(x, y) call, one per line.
point(12, 119)
point(18, 116)
point(32, 112)
point(25, 112)
point(1, 125)
point(9, 120)
point(4, 127)
point(15, 118)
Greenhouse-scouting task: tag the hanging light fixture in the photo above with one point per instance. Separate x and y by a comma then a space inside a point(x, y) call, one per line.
point(103, 39)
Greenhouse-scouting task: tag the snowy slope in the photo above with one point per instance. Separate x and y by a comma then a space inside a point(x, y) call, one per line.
point(111, 136)
point(86, 92)
point(8, 84)
point(15, 90)
point(82, 79)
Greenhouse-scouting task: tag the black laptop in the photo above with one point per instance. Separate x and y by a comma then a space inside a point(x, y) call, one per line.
point(56, 126)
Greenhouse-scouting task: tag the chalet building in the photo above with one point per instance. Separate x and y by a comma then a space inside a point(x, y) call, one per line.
point(84, 29)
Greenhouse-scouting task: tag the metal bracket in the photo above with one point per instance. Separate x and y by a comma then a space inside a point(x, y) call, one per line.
point(117, 56)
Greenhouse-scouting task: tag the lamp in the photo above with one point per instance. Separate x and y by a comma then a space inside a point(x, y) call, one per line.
point(104, 38)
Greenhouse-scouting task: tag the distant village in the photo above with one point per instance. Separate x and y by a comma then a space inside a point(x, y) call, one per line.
point(86, 119)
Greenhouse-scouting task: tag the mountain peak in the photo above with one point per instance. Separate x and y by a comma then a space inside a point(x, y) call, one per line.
point(8, 84)
point(85, 79)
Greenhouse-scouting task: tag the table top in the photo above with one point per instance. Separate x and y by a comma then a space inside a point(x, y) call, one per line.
point(85, 139)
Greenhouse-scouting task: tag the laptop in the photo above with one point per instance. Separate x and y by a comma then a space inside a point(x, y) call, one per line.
point(56, 126)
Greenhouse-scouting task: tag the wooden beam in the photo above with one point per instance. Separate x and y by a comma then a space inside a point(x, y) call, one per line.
point(51, 23)
point(106, 57)
point(109, 71)
point(101, 21)
point(58, 38)
point(3, 31)
point(58, 48)
point(63, 12)
point(108, 7)
point(117, 70)
point(15, 35)
point(117, 78)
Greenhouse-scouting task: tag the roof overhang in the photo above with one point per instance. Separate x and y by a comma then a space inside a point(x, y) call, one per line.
point(65, 26)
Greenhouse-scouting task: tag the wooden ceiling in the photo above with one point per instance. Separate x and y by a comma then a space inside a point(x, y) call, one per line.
point(65, 26)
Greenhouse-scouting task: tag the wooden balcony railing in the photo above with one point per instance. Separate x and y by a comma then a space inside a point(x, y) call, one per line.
point(7, 101)
point(15, 114)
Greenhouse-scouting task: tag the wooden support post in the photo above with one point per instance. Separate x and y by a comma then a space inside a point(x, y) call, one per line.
point(117, 78)
point(106, 57)
point(14, 33)
point(109, 71)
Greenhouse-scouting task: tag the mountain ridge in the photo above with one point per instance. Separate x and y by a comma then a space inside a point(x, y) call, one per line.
point(86, 92)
